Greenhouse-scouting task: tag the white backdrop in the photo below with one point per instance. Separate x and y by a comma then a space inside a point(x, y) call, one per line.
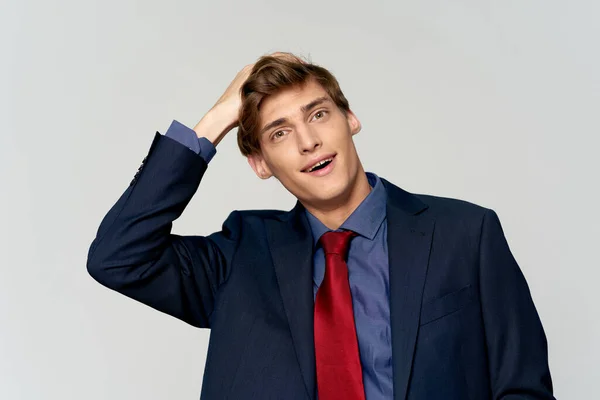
point(493, 102)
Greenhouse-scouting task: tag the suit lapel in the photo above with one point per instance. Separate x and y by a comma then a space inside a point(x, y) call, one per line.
point(290, 241)
point(410, 232)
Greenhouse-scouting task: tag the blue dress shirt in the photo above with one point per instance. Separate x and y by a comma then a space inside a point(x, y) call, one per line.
point(368, 272)
point(188, 138)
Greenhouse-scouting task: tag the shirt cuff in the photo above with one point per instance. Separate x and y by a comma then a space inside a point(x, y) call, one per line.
point(187, 137)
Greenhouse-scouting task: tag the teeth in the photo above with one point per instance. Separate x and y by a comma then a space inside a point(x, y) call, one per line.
point(318, 164)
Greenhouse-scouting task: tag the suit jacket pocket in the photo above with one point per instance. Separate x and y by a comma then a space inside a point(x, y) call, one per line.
point(447, 304)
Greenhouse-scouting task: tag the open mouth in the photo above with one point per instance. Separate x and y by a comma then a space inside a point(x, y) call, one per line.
point(319, 166)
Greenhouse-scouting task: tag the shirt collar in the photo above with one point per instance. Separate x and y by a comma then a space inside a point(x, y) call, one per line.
point(365, 220)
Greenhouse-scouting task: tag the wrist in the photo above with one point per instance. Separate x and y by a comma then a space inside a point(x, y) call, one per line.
point(214, 125)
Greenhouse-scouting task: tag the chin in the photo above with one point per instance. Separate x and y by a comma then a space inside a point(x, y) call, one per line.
point(331, 190)
point(330, 194)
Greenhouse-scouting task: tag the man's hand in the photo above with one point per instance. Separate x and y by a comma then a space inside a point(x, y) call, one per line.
point(223, 116)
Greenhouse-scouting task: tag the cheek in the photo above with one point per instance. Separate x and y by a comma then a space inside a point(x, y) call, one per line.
point(340, 133)
point(281, 163)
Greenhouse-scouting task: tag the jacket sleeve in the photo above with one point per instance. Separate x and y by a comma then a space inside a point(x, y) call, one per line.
point(135, 253)
point(516, 343)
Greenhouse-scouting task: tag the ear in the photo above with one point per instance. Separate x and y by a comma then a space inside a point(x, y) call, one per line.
point(353, 122)
point(259, 165)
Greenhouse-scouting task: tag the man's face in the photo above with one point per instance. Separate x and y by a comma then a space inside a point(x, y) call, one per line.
point(300, 128)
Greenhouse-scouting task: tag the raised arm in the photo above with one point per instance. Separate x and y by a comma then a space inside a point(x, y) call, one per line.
point(134, 251)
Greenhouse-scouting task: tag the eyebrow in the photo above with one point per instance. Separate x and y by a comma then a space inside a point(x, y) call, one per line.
point(304, 108)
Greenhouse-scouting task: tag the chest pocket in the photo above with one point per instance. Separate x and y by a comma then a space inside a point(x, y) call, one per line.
point(447, 304)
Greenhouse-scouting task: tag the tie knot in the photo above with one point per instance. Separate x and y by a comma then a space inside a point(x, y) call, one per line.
point(337, 242)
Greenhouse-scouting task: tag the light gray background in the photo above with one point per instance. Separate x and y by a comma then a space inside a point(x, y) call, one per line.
point(493, 102)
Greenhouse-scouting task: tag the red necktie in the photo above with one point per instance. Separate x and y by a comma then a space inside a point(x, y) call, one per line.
point(339, 372)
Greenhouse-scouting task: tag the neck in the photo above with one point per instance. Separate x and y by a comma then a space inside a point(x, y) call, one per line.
point(333, 214)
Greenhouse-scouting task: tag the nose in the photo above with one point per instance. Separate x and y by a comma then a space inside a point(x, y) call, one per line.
point(308, 141)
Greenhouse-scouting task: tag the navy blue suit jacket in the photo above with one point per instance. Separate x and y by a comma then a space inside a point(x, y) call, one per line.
point(464, 325)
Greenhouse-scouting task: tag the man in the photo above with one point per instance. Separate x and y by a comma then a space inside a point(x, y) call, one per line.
point(363, 290)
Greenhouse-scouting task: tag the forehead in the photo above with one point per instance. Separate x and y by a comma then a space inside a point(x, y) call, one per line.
point(288, 101)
